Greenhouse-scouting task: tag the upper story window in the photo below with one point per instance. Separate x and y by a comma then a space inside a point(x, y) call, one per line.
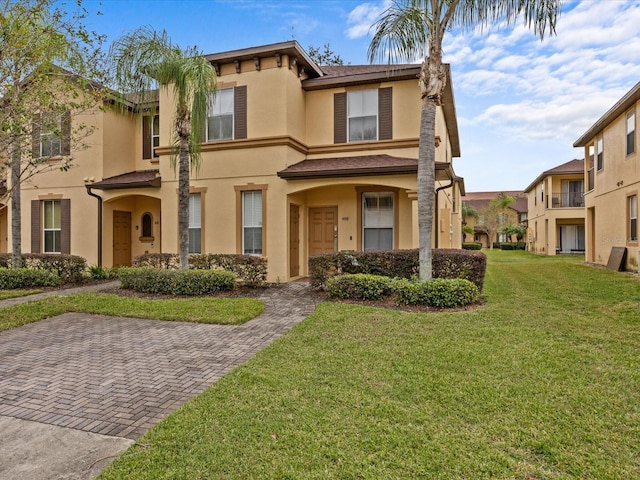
point(220, 116)
point(599, 153)
point(631, 132)
point(150, 136)
point(50, 134)
point(362, 115)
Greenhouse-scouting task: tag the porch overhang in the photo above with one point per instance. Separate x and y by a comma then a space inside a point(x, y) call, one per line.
point(137, 179)
point(358, 166)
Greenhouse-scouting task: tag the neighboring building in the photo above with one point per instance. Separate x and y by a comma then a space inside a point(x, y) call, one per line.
point(613, 182)
point(556, 210)
point(299, 159)
point(516, 214)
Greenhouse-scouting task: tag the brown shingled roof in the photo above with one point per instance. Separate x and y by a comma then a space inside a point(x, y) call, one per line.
point(137, 179)
point(571, 167)
point(359, 166)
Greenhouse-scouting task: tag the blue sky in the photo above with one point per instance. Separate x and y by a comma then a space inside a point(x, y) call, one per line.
point(521, 103)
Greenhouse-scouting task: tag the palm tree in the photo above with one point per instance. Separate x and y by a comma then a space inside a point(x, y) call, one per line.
point(145, 59)
point(411, 29)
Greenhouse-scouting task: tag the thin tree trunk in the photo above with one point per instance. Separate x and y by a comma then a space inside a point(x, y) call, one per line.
point(16, 206)
point(183, 201)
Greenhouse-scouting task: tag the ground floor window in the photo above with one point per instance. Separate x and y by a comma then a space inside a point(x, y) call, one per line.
point(378, 220)
point(52, 226)
point(633, 218)
point(252, 222)
point(195, 223)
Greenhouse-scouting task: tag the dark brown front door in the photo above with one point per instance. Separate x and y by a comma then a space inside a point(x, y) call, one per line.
point(294, 240)
point(121, 238)
point(323, 230)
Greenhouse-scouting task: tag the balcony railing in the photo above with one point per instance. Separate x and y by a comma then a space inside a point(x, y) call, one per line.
point(567, 200)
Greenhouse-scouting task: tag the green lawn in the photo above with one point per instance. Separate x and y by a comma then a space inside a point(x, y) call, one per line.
point(4, 294)
point(542, 382)
point(227, 311)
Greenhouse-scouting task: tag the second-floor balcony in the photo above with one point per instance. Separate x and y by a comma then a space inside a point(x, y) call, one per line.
point(567, 200)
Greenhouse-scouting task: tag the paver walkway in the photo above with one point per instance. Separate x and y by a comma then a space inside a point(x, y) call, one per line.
point(119, 376)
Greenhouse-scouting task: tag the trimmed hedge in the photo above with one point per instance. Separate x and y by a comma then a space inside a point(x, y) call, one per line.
point(176, 282)
point(446, 263)
point(472, 246)
point(251, 270)
point(438, 292)
point(360, 285)
point(513, 246)
point(27, 277)
point(70, 268)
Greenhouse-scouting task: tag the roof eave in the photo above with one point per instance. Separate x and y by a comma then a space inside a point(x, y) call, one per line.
point(360, 79)
point(630, 98)
point(348, 172)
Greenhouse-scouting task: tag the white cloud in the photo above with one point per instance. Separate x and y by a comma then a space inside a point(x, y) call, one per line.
point(363, 16)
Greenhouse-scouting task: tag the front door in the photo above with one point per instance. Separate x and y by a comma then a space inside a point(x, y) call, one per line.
point(121, 238)
point(294, 240)
point(323, 230)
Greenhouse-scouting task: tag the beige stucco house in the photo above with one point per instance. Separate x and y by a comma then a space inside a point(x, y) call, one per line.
point(515, 214)
point(556, 210)
point(613, 182)
point(299, 159)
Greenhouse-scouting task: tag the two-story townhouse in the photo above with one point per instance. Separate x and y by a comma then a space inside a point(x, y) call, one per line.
point(298, 159)
point(515, 214)
point(556, 210)
point(613, 182)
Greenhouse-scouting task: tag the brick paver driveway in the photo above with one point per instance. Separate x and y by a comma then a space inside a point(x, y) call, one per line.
point(119, 376)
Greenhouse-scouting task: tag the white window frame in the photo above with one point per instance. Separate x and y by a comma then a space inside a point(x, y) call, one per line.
point(381, 224)
point(361, 104)
point(630, 137)
point(215, 110)
point(50, 134)
point(50, 228)
point(599, 153)
point(195, 222)
point(253, 221)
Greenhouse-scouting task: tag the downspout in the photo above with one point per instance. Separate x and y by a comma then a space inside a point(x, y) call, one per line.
point(99, 223)
point(437, 209)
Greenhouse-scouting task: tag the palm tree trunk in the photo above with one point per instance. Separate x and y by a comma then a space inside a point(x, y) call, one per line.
point(426, 185)
point(183, 201)
point(16, 206)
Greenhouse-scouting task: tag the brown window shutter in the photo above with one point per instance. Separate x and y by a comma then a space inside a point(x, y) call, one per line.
point(240, 112)
point(146, 137)
point(35, 137)
point(65, 224)
point(36, 230)
point(340, 117)
point(65, 140)
point(385, 114)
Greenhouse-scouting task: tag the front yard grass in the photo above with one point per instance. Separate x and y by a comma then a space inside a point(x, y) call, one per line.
point(542, 382)
point(223, 311)
point(4, 294)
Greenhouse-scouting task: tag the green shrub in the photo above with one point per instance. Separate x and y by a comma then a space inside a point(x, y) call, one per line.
point(359, 286)
point(251, 270)
point(70, 268)
point(99, 272)
point(438, 292)
point(472, 246)
point(27, 277)
point(446, 263)
point(176, 282)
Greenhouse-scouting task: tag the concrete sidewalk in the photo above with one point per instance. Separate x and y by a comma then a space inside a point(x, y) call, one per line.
point(80, 387)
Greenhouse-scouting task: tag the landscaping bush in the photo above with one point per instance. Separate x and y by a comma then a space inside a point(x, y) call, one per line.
point(472, 246)
point(513, 246)
point(438, 292)
point(27, 277)
point(446, 263)
point(176, 282)
point(250, 270)
point(70, 268)
point(359, 286)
